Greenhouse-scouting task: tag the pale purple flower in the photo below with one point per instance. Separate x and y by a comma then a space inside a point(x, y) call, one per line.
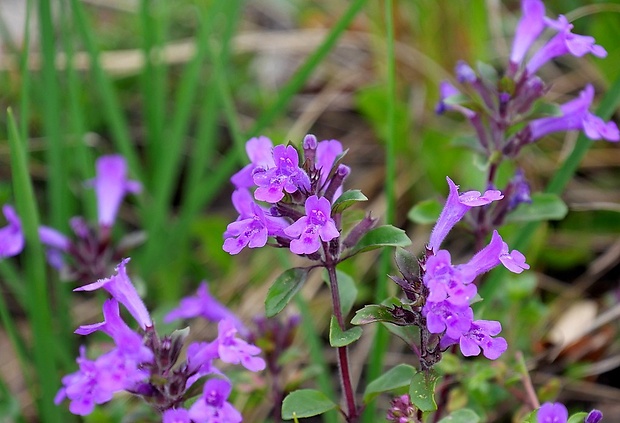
point(444, 316)
point(54, 239)
point(513, 260)
point(205, 305)
point(401, 410)
point(594, 416)
point(520, 191)
point(260, 155)
point(480, 336)
point(447, 90)
point(493, 254)
point(252, 231)
point(528, 29)
point(317, 223)
point(455, 208)
point(576, 116)
point(200, 356)
point(564, 42)
point(464, 73)
point(285, 176)
point(125, 339)
point(176, 415)
point(212, 406)
point(111, 184)
point(552, 413)
point(11, 236)
point(234, 350)
point(121, 288)
point(326, 153)
point(445, 282)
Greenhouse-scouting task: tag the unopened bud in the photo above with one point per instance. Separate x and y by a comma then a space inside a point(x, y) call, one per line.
point(310, 145)
point(595, 416)
point(359, 230)
point(464, 73)
point(341, 173)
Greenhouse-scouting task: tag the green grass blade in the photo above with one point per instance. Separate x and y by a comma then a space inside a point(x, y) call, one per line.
point(111, 107)
point(381, 340)
point(24, 101)
point(610, 102)
point(39, 311)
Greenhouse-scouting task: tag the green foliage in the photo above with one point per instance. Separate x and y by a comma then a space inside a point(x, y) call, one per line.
point(347, 199)
point(399, 376)
point(461, 416)
point(383, 236)
point(340, 338)
point(284, 289)
point(305, 403)
point(422, 390)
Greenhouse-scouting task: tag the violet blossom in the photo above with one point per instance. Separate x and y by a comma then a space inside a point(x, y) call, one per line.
point(285, 176)
point(259, 151)
point(11, 236)
point(212, 406)
point(317, 223)
point(552, 413)
point(235, 350)
point(530, 26)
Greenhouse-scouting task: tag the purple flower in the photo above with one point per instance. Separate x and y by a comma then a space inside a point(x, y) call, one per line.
point(464, 73)
point(11, 236)
point(513, 261)
point(121, 288)
point(234, 350)
point(326, 153)
point(444, 281)
point(259, 152)
point(203, 304)
point(455, 208)
point(176, 415)
point(285, 176)
point(111, 185)
point(316, 224)
point(528, 29)
point(594, 416)
point(552, 413)
point(212, 406)
point(251, 231)
point(125, 339)
point(564, 42)
point(447, 90)
point(479, 336)
point(444, 316)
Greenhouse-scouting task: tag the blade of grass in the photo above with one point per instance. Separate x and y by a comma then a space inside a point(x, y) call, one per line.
point(111, 107)
point(39, 311)
point(24, 101)
point(381, 340)
point(610, 102)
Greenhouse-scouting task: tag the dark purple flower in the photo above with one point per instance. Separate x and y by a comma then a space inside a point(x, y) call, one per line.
point(552, 413)
point(121, 288)
point(480, 336)
point(285, 176)
point(252, 231)
point(564, 42)
point(455, 208)
point(234, 350)
point(317, 223)
point(111, 185)
point(212, 406)
point(594, 416)
point(205, 305)
point(528, 29)
point(445, 282)
point(176, 415)
point(259, 152)
point(11, 236)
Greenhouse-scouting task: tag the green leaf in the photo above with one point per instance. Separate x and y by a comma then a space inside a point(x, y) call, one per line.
point(347, 290)
point(283, 289)
point(577, 417)
point(347, 199)
point(425, 212)
point(422, 390)
point(373, 313)
point(409, 334)
point(305, 403)
point(383, 236)
point(338, 338)
point(530, 418)
point(397, 377)
point(544, 206)
point(544, 109)
point(464, 415)
point(407, 263)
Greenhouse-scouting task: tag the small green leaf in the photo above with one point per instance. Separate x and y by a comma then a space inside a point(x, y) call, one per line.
point(409, 334)
point(373, 313)
point(305, 403)
point(544, 109)
point(283, 289)
point(425, 212)
point(397, 377)
point(383, 236)
point(407, 263)
point(530, 418)
point(577, 417)
point(347, 199)
point(422, 390)
point(338, 338)
point(464, 415)
point(544, 206)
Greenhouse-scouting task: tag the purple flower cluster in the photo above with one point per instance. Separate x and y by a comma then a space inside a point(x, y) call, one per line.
point(510, 100)
point(147, 365)
point(91, 251)
point(450, 287)
point(299, 196)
